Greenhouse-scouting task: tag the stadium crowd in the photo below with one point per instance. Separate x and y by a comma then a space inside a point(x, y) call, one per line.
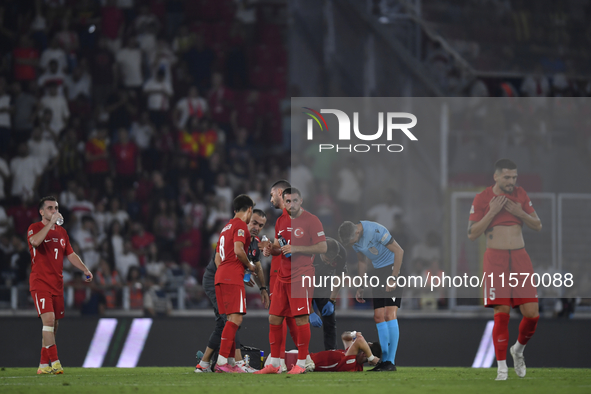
point(143, 118)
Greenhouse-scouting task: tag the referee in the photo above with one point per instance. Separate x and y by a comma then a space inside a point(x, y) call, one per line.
point(373, 242)
point(257, 222)
point(331, 263)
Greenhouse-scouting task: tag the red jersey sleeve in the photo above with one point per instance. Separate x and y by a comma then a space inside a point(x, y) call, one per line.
point(316, 230)
point(478, 209)
point(69, 249)
point(526, 203)
point(241, 233)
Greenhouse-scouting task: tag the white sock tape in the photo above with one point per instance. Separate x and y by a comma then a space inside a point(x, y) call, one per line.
point(48, 328)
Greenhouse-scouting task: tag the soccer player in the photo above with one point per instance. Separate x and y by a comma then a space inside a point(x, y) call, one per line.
point(302, 236)
point(357, 352)
point(499, 213)
point(48, 244)
point(331, 263)
point(231, 258)
point(257, 222)
point(373, 242)
point(277, 201)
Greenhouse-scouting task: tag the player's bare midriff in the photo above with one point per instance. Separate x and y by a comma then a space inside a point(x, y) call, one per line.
point(504, 237)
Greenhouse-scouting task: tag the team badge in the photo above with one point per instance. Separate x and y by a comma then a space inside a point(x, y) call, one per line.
point(241, 233)
point(63, 242)
point(298, 233)
point(373, 250)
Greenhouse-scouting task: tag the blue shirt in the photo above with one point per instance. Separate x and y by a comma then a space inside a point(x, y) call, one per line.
point(372, 244)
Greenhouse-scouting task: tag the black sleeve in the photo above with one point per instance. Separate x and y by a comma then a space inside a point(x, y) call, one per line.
point(254, 254)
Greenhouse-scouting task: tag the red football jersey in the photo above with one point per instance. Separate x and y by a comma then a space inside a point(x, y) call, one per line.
point(335, 361)
point(47, 260)
point(480, 207)
point(231, 270)
point(276, 260)
point(305, 230)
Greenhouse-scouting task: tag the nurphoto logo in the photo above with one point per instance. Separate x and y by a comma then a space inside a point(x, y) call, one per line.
point(344, 132)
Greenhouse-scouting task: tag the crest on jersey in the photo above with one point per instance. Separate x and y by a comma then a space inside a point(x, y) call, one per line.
point(240, 233)
point(373, 250)
point(298, 233)
point(63, 242)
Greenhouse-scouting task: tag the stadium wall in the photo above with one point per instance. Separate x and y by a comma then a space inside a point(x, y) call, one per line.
point(174, 341)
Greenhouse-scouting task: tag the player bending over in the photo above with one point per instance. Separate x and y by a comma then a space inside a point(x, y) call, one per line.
point(357, 352)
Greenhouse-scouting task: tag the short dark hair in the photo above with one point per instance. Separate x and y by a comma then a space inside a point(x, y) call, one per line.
point(42, 201)
point(283, 184)
point(291, 190)
point(376, 349)
point(502, 164)
point(332, 249)
point(259, 212)
point(242, 203)
point(347, 232)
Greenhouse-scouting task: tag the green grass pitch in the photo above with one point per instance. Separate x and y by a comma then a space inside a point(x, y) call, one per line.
point(184, 380)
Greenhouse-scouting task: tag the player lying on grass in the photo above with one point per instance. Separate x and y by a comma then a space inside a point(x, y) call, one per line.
point(357, 352)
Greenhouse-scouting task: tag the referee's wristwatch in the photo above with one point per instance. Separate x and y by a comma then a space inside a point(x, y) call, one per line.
point(334, 302)
point(263, 288)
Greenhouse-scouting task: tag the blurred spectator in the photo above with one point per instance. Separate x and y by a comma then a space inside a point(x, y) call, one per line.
point(129, 60)
point(146, 26)
point(97, 155)
point(165, 225)
point(25, 105)
point(56, 53)
point(223, 191)
point(325, 207)
point(192, 106)
point(115, 213)
point(70, 165)
point(4, 222)
point(121, 107)
point(349, 191)
point(188, 244)
point(199, 60)
point(385, 212)
point(68, 195)
point(60, 113)
point(141, 241)
point(108, 281)
point(126, 259)
point(142, 131)
point(134, 282)
point(78, 84)
point(25, 170)
point(39, 26)
point(43, 149)
point(68, 41)
point(100, 217)
point(6, 109)
point(429, 249)
point(220, 212)
point(158, 91)
point(23, 214)
point(102, 68)
point(156, 301)
point(81, 207)
point(154, 265)
point(535, 85)
point(221, 101)
point(26, 59)
point(20, 260)
point(87, 237)
point(127, 160)
point(301, 176)
point(115, 235)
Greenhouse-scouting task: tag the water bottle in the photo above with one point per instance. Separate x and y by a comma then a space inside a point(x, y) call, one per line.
point(262, 358)
point(246, 276)
point(246, 360)
point(283, 242)
point(264, 238)
point(60, 221)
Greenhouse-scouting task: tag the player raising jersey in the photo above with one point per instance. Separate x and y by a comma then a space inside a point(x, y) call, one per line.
point(298, 237)
point(373, 242)
point(48, 245)
point(231, 259)
point(499, 213)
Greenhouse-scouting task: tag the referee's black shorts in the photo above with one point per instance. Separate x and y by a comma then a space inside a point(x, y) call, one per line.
point(380, 297)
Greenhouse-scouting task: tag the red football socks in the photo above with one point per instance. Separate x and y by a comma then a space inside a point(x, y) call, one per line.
point(303, 341)
point(284, 333)
point(52, 353)
point(44, 356)
point(527, 328)
point(500, 335)
point(228, 339)
point(276, 337)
